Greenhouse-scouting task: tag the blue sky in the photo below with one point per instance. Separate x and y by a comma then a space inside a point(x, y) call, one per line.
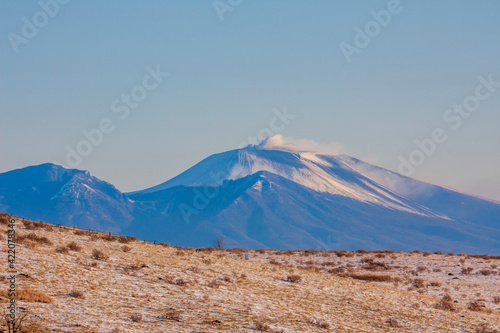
point(227, 76)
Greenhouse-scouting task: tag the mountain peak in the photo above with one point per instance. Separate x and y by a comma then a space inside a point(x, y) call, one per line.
point(273, 195)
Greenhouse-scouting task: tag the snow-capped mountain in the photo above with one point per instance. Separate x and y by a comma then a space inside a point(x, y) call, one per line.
point(318, 172)
point(273, 197)
point(57, 195)
point(265, 196)
point(453, 203)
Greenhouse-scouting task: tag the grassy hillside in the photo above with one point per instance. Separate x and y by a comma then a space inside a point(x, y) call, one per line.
point(79, 281)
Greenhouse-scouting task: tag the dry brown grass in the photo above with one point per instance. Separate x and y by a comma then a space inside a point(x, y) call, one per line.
point(418, 283)
point(467, 270)
point(23, 323)
point(173, 314)
point(79, 232)
point(178, 281)
point(73, 246)
point(252, 289)
point(99, 255)
point(261, 326)
point(110, 237)
point(370, 277)
point(126, 248)
point(376, 266)
point(28, 295)
point(475, 306)
point(136, 317)
point(124, 239)
point(34, 238)
point(214, 283)
point(30, 225)
point(76, 294)
point(294, 278)
point(446, 303)
point(62, 249)
point(487, 272)
point(435, 284)
point(392, 322)
point(4, 219)
point(486, 328)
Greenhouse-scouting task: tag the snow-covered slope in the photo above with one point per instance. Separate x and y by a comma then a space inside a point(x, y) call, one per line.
point(267, 210)
point(454, 204)
point(54, 194)
point(265, 196)
point(321, 173)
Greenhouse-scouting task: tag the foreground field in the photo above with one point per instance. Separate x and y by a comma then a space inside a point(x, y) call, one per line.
point(79, 281)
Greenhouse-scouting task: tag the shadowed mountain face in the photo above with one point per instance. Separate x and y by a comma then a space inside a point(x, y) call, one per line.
point(259, 197)
point(54, 194)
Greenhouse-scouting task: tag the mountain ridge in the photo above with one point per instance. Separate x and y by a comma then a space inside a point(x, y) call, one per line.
point(268, 197)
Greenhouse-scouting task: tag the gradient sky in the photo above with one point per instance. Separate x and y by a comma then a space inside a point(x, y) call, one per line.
point(227, 76)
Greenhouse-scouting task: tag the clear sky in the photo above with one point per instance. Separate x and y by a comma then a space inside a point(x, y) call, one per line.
point(66, 68)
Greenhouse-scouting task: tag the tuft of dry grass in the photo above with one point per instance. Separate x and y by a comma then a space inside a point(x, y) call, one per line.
point(486, 328)
point(34, 238)
point(372, 265)
point(475, 306)
point(62, 249)
point(22, 323)
point(173, 314)
point(392, 322)
point(125, 240)
point(29, 295)
point(435, 284)
point(136, 317)
point(79, 232)
point(294, 278)
point(4, 219)
point(446, 303)
point(178, 281)
point(370, 277)
point(76, 294)
point(126, 248)
point(29, 225)
point(74, 247)
point(262, 327)
point(99, 255)
point(418, 283)
point(214, 283)
point(487, 272)
point(467, 270)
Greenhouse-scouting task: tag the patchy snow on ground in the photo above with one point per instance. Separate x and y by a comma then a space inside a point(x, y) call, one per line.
point(146, 287)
